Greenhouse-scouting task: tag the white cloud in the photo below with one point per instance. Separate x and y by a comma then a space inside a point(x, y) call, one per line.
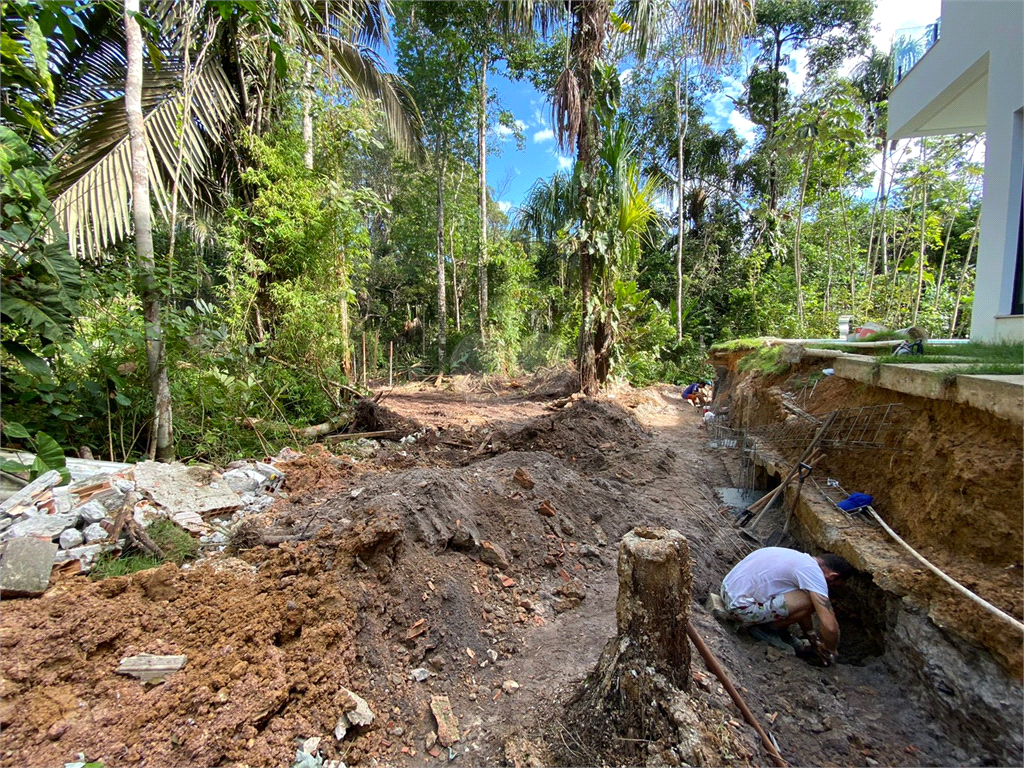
point(546, 135)
point(746, 129)
point(565, 163)
point(505, 206)
point(503, 131)
point(625, 76)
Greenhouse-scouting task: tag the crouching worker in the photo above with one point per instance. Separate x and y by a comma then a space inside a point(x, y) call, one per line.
point(773, 588)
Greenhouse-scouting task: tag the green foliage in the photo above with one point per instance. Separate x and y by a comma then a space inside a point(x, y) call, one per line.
point(177, 544)
point(767, 362)
point(49, 454)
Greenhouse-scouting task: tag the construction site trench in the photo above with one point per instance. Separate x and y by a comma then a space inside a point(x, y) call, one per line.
point(450, 596)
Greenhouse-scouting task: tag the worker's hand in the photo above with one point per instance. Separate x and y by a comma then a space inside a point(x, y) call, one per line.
point(828, 658)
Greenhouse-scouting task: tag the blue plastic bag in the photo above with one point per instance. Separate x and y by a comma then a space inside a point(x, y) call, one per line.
point(855, 501)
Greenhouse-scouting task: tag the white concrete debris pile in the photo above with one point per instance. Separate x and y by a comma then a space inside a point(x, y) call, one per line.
point(81, 517)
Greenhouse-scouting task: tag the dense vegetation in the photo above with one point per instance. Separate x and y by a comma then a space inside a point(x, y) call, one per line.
point(311, 209)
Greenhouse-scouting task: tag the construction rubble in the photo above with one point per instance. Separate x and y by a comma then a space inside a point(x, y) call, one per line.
point(46, 524)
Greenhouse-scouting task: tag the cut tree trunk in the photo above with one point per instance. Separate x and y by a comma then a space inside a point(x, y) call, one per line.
point(162, 441)
point(655, 592)
point(634, 692)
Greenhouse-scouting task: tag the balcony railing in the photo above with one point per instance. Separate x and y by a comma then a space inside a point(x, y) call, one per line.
point(910, 45)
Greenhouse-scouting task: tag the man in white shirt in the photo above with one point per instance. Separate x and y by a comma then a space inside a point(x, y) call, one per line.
point(776, 587)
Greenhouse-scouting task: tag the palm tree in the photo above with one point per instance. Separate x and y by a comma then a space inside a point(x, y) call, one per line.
point(574, 101)
point(230, 61)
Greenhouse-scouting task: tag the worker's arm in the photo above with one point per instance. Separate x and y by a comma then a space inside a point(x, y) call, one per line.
point(826, 621)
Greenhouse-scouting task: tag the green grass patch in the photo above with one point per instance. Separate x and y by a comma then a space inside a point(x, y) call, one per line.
point(734, 345)
point(176, 543)
point(767, 362)
point(108, 566)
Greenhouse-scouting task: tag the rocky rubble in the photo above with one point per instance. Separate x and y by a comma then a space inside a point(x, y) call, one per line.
point(80, 518)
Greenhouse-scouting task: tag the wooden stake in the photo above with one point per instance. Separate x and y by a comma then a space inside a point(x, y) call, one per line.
point(364, 358)
point(391, 364)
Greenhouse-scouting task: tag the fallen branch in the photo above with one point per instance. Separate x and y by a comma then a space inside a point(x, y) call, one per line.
point(127, 508)
point(306, 433)
point(345, 436)
point(140, 539)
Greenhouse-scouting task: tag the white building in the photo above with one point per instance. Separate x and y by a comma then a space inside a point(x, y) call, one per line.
point(972, 81)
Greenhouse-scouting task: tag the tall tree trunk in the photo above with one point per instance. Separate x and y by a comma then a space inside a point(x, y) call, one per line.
point(884, 202)
point(481, 140)
point(924, 223)
point(588, 39)
point(455, 276)
point(963, 276)
point(442, 307)
point(341, 275)
point(682, 125)
point(796, 243)
point(162, 443)
point(942, 263)
point(773, 166)
point(307, 116)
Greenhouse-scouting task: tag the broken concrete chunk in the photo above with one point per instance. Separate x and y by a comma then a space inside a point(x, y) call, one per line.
point(174, 488)
point(447, 724)
point(419, 674)
point(31, 491)
point(92, 512)
point(147, 667)
point(62, 503)
point(94, 533)
point(43, 526)
point(111, 498)
point(85, 555)
point(5, 523)
point(492, 554)
point(509, 687)
point(25, 567)
point(123, 485)
point(356, 713)
point(243, 480)
point(311, 745)
point(71, 538)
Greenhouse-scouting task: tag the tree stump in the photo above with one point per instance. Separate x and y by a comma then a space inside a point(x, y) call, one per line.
point(636, 697)
point(655, 591)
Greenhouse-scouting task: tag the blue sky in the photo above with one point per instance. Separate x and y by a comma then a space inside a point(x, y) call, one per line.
point(511, 171)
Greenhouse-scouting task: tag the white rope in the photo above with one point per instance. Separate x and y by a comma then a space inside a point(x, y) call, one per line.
point(952, 582)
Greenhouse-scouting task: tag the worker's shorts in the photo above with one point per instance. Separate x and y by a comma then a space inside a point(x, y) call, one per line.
point(748, 611)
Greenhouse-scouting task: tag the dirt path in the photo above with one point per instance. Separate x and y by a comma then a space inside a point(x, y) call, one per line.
point(432, 571)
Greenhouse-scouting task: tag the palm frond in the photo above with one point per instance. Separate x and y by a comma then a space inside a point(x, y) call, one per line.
point(93, 204)
point(715, 28)
point(643, 18)
point(362, 70)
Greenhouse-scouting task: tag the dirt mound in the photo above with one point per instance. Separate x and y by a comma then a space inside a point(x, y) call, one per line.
point(373, 417)
point(583, 432)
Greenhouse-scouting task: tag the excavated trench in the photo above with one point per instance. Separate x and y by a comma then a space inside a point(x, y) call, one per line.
point(959, 506)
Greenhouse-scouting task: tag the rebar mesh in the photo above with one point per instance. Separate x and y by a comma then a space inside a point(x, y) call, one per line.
point(872, 426)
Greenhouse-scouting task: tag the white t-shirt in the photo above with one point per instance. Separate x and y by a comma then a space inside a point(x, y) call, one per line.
point(772, 571)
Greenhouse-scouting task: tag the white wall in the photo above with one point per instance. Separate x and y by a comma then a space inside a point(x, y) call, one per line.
point(980, 51)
